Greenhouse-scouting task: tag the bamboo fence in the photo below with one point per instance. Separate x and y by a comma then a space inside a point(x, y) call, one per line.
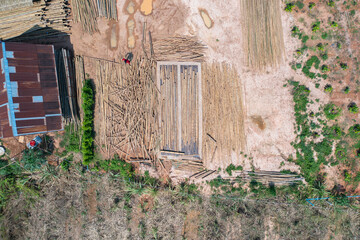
point(46, 18)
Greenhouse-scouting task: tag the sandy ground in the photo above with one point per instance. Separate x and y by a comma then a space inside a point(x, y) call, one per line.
point(268, 105)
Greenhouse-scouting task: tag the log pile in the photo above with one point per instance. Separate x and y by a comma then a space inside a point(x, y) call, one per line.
point(127, 101)
point(43, 19)
point(266, 177)
point(87, 11)
point(179, 48)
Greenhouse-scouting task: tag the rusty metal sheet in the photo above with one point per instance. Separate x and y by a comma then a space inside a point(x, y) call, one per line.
point(34, 129)
point(24, 77)
point(30, 114)
point(30, 122)
point(31, 106)
point(54, 123)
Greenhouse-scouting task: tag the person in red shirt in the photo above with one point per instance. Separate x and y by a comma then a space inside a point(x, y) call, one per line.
point(128, 57)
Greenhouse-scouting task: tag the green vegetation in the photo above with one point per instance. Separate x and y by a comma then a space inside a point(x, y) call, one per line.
point(289, 7)
point(328, 88)
point(354, 131)
point(33, 160)
point(311, 5)
point(347, 89)
point(300, 4)
point(353, 108)
point(344, 66)
point(87, 147)
point(316, 26)
point(320, 47)
point(332, 111)
point(71, 140)
point(324, 56)
point(308, 64)
point(334, 24)
point(324, 68)
point(232, 167)
point(331, 3)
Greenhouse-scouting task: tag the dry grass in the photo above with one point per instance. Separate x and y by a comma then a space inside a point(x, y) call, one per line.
point(223, 113)
point(263, 33)
point(63, 212)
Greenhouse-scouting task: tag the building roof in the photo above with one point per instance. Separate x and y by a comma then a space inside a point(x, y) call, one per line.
point(29, 96)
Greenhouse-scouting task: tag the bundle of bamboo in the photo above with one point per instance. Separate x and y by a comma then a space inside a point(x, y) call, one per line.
point(47, 18)
point(179, 48)
point(86, 12)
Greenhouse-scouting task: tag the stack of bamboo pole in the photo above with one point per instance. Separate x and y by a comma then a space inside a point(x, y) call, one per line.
point(107, 9)
point(6, 5)
point(47, 18)
point(179, 48)
point(87, 11)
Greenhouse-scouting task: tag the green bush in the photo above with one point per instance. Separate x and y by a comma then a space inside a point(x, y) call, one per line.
point(304, 39)
point(71, 139)
point(338, 45)
point(308, 64)
point(341, 152)
point(320, 47)
point(311, 5)
point(331, 3)
point(347, 89)
point(333, 132)
point(315, 27)
point(344, 66)
point(324, 68)
point(232, 167)
point(65, 164)
point(332, 111)
point(353, 108)
point(324, 56)
point(87, 140)
point(354, 131)
point(299, 4)
point(33, 160)
point(295, 31)
point(324, 35)
point(289, 7)
point(334, 24)
point(328, 88)
point(116, 166)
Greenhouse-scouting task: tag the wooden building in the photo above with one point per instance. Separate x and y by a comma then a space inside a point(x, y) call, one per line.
point(29, 95)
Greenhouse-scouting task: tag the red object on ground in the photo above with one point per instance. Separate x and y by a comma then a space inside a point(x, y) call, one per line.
point(126, 61)
point(32, 143)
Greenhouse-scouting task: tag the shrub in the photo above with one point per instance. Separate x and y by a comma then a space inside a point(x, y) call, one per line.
point(331, 3)
point(353, 108)
point(295, 31)
point(316, 26)
point(334, 24)
point(328, 88)
point(311, 5)
point(308, 64)
point(320, 47)
point(87, 140)
point(71, 139)
point(299, 4)
point(324, 35)
point(338, 45)
point(340, 152)
point(344, 66)
point(354, 131)
point(352, 13)
point(347, 89)
point(324, 56)
point(324, 68)
point(298, 65)
point(289, 7)
point(332, 111)
point(304, 39)
point(65, 164)
point(333, 132)
point(33, 160)
point(232, 167)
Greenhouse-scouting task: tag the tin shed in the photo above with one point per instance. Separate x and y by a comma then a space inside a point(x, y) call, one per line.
point(29, 96)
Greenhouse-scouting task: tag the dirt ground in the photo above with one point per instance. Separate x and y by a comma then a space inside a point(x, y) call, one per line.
point(268, 105)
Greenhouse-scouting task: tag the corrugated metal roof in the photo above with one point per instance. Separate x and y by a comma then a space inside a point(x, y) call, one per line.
point(11, 4)
point(30, 93)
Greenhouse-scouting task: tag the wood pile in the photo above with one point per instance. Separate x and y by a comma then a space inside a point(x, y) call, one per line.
point(67, 86)
point(43, 19)
point(262, 33)
point(266, 177)
point(179, 48)
point(86, 12)
point(6, 5)
point(80, 78)
point(127, 101)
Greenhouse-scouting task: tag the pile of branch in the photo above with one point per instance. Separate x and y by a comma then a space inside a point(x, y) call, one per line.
point(266, 177)
point(127, 104)
point(87, 11)
point(179, 48)
point(47, 18)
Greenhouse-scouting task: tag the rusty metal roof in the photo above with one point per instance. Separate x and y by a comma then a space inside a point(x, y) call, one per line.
point(29, 96)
